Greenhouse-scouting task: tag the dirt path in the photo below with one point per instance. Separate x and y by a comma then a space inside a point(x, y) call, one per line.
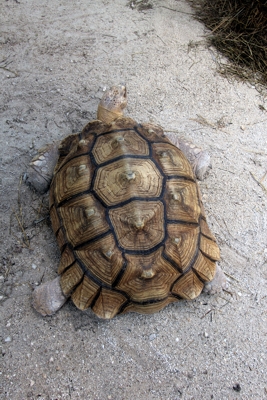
point(56, 59)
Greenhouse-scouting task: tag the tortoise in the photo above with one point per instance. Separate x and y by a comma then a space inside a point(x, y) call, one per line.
point(127, 214)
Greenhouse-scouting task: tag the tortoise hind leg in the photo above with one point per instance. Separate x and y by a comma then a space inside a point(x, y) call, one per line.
point(218, 283)
point(48, 297)
point(198, 158)
point(40, 170)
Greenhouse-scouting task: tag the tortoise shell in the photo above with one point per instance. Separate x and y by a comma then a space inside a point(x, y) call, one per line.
point(127, 214)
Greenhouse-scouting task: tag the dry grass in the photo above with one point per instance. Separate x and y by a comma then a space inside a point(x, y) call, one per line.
point(238, 31)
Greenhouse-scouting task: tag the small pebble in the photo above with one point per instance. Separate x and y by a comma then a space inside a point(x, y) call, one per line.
point(34, 266)
point(237, 387)
point(51, 359)
point(32, 383)
point(152, 336)
point(8, 339)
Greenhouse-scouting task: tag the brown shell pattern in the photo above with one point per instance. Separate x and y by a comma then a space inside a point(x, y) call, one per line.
point(128, 218)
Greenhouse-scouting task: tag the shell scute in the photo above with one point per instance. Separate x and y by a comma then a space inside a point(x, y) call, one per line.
point(172, 161)
point(84, 294)
point(181, 199)
point(148, 277)
point(182, 243)
point(102, 258)
point(117, 144)
point(73, 178)
point(139, 225)
point(108, 303)
point(70, 278)
point(83, 218)
point(189, 286)
point(126, 178)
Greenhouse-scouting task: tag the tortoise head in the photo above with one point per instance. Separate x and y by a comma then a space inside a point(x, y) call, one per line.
point(112, 104)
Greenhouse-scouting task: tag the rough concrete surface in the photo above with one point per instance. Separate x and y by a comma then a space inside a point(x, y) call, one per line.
point(56, 59)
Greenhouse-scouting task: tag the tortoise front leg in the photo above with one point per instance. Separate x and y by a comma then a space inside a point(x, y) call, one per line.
point(198, 158)
point(40, 170)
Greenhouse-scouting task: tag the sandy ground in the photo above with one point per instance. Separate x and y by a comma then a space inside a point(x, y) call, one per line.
point(56, 59)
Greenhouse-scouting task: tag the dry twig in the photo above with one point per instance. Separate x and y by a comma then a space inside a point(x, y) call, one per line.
point(3, 65)
point(259, 182)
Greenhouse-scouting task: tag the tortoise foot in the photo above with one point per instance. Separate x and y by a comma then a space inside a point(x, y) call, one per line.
point(48, 298)
point(218, 283)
